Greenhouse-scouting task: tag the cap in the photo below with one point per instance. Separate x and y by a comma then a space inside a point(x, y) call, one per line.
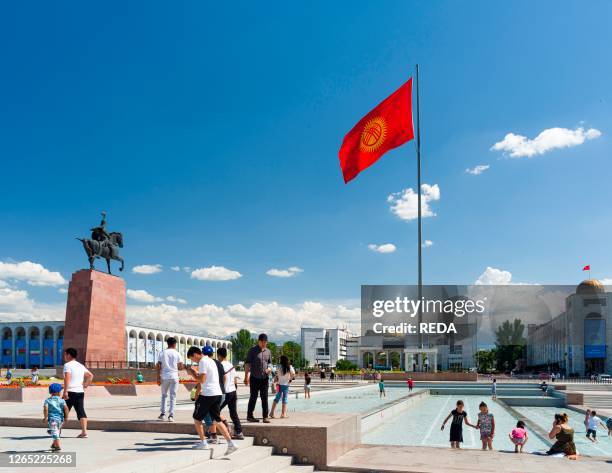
point(55, 388)
point(207, 350)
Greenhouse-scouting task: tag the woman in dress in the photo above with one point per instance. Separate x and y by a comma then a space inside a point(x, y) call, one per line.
point(564, 434)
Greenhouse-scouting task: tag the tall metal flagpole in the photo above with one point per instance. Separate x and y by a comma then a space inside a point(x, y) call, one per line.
point(420, 231)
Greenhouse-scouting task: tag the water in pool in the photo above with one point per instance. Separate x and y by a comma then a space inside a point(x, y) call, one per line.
point(420, 425)
point(543, 416)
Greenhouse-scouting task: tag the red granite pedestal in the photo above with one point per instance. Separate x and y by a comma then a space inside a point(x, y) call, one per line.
point(95, 317)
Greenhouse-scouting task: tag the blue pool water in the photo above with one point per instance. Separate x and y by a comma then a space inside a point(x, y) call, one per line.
point(420, 425)
point(543, 416)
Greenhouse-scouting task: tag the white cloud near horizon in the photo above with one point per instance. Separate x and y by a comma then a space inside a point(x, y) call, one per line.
point(32, 273)
point(427, 244)
point(175, 268)
point(284, 273)
point(147, 269)
point(277, 320)
point(384, 248)
point(477, 170)
point(519, 146)
point(494, 277)
point(405, 205)
point(215, 273)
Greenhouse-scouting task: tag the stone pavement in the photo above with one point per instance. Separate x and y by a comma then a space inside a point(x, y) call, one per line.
point(127, 452)
point(392, 459)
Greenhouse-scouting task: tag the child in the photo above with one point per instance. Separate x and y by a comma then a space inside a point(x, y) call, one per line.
point(456, 431)
point(307, 381)
point(591, 432)
point(381, 387)
point(587, 414)
point(494, 389)
point(410, 385)
point(486, 424)
point(609, 425)
point(55, 411)
point(519, 436)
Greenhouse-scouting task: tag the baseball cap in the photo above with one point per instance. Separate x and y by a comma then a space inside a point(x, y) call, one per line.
point(207, 350)
point(55, 388)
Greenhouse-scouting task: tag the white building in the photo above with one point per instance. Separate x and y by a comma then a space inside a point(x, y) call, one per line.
point(27, 344)
point(324, 347)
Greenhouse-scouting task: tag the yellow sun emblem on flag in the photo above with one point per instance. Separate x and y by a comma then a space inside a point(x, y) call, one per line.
point(373, 134)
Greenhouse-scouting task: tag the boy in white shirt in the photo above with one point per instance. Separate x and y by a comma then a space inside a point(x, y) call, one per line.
point(169, 363)
point(591, 432)
point(208, 401)
point(76, 380)
point(231, 394)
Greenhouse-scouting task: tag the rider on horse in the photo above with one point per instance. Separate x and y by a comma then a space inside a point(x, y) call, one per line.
point(99, 233)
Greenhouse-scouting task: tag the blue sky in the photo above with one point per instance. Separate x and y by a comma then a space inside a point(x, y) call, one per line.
point(210, 134)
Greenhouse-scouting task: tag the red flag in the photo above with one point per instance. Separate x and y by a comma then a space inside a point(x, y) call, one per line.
point(387, 126)
point(587, 267)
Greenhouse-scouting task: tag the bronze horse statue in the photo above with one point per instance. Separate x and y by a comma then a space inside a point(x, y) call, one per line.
point(107, 249)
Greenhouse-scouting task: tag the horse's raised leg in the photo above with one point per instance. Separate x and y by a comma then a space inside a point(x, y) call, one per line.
point(108, 264)
point(119, 258)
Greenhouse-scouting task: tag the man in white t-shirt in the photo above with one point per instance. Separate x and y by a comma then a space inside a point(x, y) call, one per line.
point(208, 401)
point(231, 395)
point(169, 362)
point(76, 380)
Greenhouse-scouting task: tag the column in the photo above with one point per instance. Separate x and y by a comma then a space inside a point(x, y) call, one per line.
point(13, 348)
point(27, 348)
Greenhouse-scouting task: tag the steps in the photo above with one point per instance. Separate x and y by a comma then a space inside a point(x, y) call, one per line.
point(601, 401)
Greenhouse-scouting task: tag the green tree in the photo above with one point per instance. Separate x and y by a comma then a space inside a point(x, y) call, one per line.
point(509, 344)
point(294, 351)
point(273, 347)
point(345, 365)
point(485, 360)
point(241, 343)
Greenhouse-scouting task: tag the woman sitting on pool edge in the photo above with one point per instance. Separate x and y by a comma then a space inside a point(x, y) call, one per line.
point(563, 432)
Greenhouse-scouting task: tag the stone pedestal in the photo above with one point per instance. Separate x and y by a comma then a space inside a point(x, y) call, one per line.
point(95, 317)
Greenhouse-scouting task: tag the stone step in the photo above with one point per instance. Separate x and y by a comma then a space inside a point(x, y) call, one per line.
point(298, 469)
point(243, 457)
point(272, 464)
point(181, 459)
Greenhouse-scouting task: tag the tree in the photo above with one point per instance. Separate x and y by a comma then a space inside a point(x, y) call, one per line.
point(293, 351)
point(241, 343)
point(273, 347)
point(509, 344)
point(345, 365)
point(485, 360)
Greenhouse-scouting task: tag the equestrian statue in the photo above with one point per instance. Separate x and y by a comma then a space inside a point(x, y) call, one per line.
point(103, 245)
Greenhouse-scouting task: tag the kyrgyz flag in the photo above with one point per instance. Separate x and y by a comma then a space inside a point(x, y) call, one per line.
point(386, 127)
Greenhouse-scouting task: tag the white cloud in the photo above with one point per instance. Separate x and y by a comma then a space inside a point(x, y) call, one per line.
point(519, 146)
point(15, 299)
point(176, 299)
point(32, 273)
point(385, 248)
point(215, 273)
point(284, 273)
point(404, 204)
point(187, 269)
point(140, 295)
point(479, 169)
point(494, 277)
point(175, 268)
point(277, 320)
point(427, 243)
point(62, 290)
point(147, 269)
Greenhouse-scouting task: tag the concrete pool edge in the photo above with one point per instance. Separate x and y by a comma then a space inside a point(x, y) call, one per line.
point(375, 417)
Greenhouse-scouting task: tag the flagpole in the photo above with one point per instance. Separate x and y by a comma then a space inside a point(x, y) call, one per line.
point(420, 229)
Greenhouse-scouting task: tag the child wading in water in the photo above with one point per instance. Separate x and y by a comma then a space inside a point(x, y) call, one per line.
point(456, 430)
point(381, 387)
point(55, 412)
point(519, 436)
point(486, 424)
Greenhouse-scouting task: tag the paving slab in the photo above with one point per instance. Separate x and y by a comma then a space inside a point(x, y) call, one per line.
point(391, 459)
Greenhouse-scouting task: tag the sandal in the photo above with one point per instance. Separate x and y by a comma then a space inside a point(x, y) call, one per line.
point(82, 436)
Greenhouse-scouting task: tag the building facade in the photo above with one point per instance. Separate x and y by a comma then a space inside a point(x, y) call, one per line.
point(576, 341)
point(28, 344)
point(324, 347)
